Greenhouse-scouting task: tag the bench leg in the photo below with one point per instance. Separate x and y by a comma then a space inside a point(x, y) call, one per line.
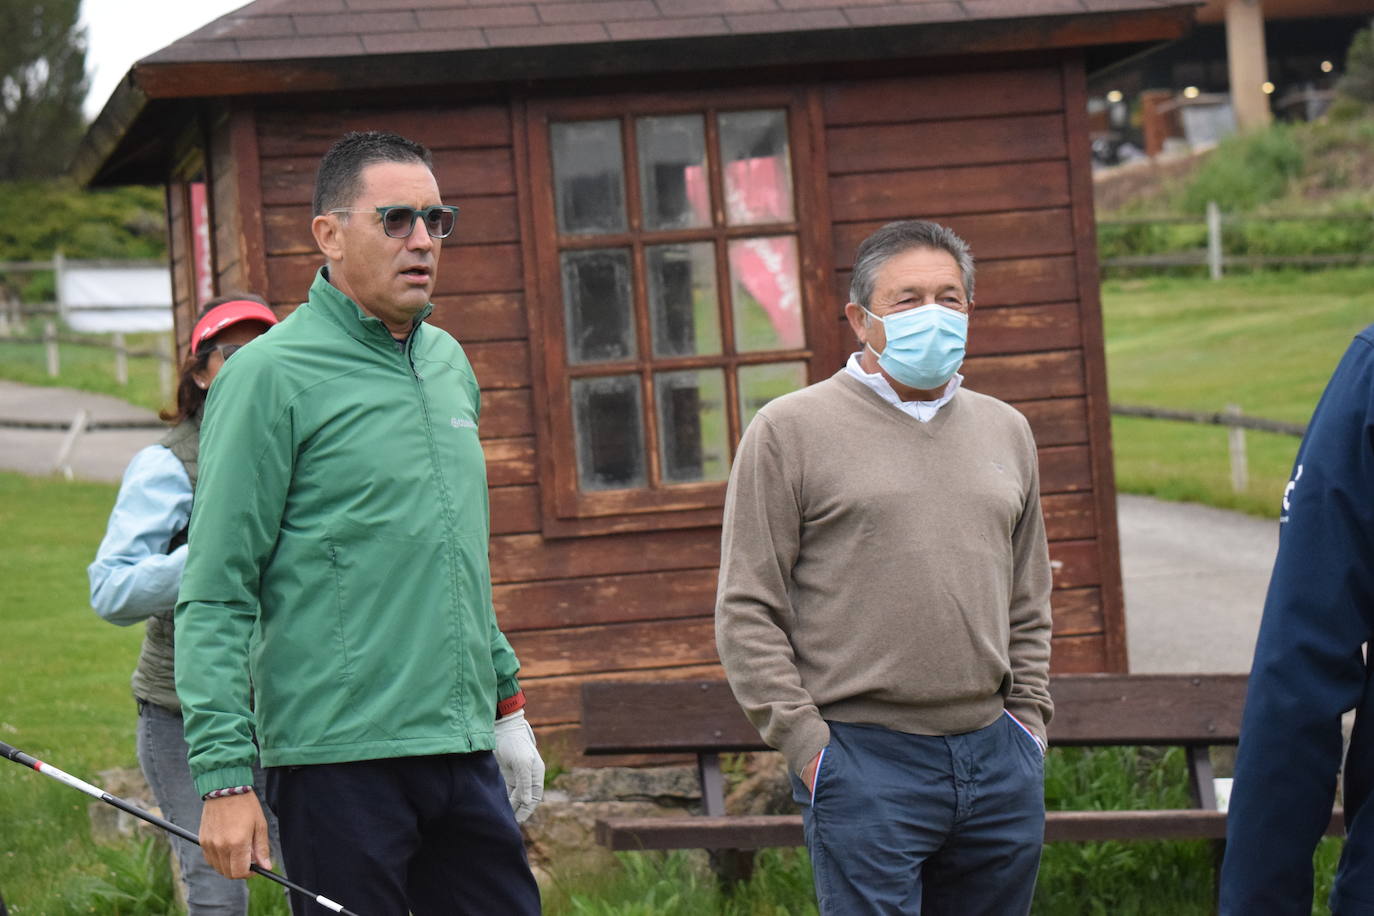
point(1201, 787)
point(732, 865)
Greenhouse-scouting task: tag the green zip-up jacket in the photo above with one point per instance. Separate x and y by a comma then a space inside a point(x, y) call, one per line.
point(339, 553)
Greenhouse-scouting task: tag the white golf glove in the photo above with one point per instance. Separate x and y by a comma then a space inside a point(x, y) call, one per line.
point(520, 764)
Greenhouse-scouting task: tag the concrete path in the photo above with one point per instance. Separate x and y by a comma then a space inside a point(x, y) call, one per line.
point(1194, 576)
point(1195, 579)
point(98, 454)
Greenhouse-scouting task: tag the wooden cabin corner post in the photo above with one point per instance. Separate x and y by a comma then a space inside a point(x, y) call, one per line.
point(1094, 362)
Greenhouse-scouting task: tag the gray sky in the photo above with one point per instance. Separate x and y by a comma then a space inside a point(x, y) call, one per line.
point(122, 31)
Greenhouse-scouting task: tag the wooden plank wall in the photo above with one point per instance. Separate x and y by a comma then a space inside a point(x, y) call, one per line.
point(992, 155)
point(224, 210)
point(985, 153)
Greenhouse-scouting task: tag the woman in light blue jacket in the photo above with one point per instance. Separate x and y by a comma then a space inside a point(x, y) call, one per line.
point(137, 572)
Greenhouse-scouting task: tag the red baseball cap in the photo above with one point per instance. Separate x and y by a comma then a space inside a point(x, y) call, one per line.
point(226, 314)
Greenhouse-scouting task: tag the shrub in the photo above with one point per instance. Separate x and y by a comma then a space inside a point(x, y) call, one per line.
point(1358, 81)
point(1247, 170)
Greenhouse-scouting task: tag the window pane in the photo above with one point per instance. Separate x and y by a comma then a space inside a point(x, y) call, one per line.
point(610, 433)
point(760, 384)
point(767, 294)
point(672, 172)
point(588, 176)
point(596, 299)
point(682, 299)
point(757, 167)
point(692, 425)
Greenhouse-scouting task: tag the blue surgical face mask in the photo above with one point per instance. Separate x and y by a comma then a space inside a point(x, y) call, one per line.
point(925, 346)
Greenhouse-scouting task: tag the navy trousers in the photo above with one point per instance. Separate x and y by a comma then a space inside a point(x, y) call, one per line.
point(910, 824)
point(432, 836)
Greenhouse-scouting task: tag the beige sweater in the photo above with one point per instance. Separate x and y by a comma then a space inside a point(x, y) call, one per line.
point(876, 569)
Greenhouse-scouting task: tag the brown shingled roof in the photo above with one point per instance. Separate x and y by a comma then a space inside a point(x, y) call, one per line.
point(300, 29)
point(271, 47)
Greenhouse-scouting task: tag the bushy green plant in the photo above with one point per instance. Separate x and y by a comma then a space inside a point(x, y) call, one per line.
point(136, 881)
point(1358, 81)
point(1289, 238)
point(1125, 239)
point(1246, 170)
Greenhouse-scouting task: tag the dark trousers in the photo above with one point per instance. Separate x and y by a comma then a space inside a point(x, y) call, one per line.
point(432, 836)
point(910, 824)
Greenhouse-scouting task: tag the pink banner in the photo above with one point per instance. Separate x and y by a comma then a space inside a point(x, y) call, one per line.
point(202, 263)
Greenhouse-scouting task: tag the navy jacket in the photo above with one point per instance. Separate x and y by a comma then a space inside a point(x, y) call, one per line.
point(1309, 669)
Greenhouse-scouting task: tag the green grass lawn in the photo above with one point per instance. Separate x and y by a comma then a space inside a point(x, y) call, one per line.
point(1267, 342)
point(64, 683)
point(64, 698)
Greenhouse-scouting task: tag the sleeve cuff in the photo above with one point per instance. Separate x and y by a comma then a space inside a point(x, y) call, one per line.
point(226, 778)
point(510, 704)
point(805, 742)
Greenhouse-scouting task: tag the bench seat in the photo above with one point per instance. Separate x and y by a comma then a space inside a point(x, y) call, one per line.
point(1195, 712)
point(627, 834)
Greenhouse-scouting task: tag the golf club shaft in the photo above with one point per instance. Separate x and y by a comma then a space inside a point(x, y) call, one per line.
point(47, 769)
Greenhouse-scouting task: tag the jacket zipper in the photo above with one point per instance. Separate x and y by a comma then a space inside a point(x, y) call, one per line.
point(437, 468)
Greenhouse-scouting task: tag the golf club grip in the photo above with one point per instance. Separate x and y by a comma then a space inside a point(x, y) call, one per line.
point(18, 756)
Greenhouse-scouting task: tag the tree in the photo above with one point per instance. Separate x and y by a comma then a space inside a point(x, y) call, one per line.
point(1358, 81)
point(42, 85)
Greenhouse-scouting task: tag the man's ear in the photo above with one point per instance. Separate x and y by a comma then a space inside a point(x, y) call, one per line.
point(856, 315)
point(328, 236)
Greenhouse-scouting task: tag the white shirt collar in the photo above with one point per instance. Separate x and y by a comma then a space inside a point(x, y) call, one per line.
point(920, 410)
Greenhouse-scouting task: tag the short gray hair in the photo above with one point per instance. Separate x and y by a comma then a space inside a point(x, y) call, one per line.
point(895, 238)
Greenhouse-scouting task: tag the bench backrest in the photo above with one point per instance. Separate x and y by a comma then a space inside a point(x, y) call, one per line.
point(1090, 709)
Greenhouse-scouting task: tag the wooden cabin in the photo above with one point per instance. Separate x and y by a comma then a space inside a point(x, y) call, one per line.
point(661, 200)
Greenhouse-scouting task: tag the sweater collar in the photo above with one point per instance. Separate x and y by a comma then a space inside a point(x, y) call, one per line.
point(326, 298)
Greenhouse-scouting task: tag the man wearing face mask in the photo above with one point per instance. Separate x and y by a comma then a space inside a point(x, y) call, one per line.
point(883, 609)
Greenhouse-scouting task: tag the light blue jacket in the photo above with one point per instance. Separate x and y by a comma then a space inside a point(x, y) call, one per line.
point(133, 576)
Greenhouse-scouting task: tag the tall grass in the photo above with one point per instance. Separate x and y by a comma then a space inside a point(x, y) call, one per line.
point(1076, 879)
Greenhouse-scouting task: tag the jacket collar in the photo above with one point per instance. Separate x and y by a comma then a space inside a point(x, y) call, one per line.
point(329, 301)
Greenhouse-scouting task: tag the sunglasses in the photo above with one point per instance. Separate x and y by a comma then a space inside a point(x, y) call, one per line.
point(225, 350)
point(399, 222)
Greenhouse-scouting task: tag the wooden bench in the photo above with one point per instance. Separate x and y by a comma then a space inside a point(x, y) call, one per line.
point(701, 718)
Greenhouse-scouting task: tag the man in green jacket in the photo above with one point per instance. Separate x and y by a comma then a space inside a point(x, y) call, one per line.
point(337, 597)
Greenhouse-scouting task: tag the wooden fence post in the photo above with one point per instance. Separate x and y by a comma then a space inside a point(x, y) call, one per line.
point(1240, 472)
point(64, 451)
point(50, 343)
point(1214, 250)
point(121, 355)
